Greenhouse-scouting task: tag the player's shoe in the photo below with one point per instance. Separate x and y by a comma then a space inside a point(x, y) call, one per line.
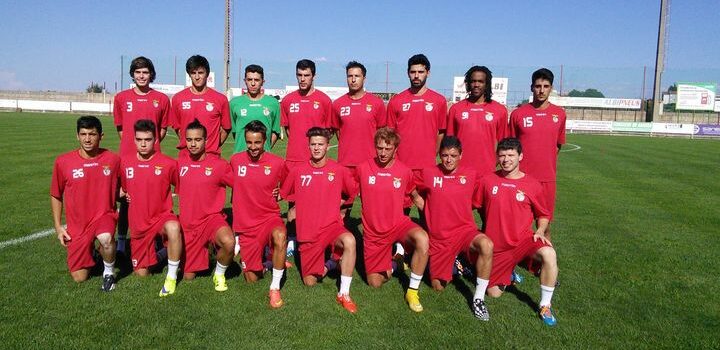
point(168, 287)
point(108, 283)
point(480, 310)
point(547, 315)
point(219, 281)
point(516, 278)
point(275, 299)
point(347, 303)
point(413, 300)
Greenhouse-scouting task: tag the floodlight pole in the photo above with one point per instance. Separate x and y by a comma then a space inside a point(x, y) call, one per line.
point(659, 64)
point(226, 58)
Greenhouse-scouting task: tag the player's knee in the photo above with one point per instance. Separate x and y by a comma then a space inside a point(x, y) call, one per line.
point(279, 237)
point(226, 240)
point(189, 276)
point(486, 246)
point(348, 241)
point(250, 277)
point(309, 281)
point(547, 255)
point(79, 276)
point(375, 281)
point(142, 272)
point(105, 240)
point(438, 285)
point(494, 292)
point(422, 243)
point(172, 229)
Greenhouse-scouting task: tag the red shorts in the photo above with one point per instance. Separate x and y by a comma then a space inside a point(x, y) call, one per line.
point(443, 253)
point(197, 240)
point(548, 198)
point(312, 254)
point(80, 246)
point(142, 244)
point(253, 243)
point(377, 248)
point(504, 262)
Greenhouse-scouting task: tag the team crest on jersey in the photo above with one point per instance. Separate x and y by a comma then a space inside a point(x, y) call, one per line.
point(465, 115)
point(209, 107)
point(428, 106)
point(488, 116)
point(267, 170)
point(555, 118)
point(368, 107)
point(156, 103)
point(463, 179)
point(316, 104)
point(158, 170)
point(106, 170)
point(520, 196)
point(396, 182)
point(266, 112)
point(331, 176)
point(208, 171)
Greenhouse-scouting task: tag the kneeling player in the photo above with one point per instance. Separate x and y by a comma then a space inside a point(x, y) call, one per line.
point(385, 183)
point(256, 214)
point(147, 177)
point(448, 191)
point(201, 187)
point(511, 201)
point(317, 186)
point(86, 181)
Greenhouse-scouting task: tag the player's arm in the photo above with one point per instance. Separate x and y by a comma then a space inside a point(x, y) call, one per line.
point(119, 130)
point(223, 135)
point(417, 199)
point(163, 133)
point(542, 225)
point(56, 205)
point(225, 122)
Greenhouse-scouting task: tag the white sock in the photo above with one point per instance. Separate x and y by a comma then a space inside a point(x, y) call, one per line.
point(480, 288)
point(276, 277)
point(173, 268)
point(109, 268)
point(415, 280)
point(399, 249)
point(220, 269)
point(345, 285)
point(546, 294)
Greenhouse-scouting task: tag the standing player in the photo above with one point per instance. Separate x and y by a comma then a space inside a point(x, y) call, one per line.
point(478, 121)
point(301, 110)
point(203, 103)
point(450, 192)
point(256, 214)
point(86, 182)
point(201, 187)
point(255, 105)
point(384, 184)
point(147, 179)
point(540, 127)
point(511, 200)
point(356, 116)
point(419, 115)
point(317, 186)
point(131, 105)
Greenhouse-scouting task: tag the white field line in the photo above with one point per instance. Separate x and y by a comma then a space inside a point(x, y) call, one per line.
point(29, 237)
point(571, 149)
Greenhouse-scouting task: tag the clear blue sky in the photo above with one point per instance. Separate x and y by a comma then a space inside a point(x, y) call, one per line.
point(63, 45)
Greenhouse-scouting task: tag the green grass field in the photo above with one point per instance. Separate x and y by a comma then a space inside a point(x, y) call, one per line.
point(636, 233)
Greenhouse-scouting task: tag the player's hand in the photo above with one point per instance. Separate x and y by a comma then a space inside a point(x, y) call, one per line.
point(276, 194)
point(122, 193)
point(62, 235)
point(540, 234)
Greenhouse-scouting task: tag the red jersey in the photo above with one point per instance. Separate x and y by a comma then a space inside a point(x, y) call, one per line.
point(201, 188)
point(253, 183)
point(540, 132)
point(479, 127)
point(357, 121)
point(317, 193)
point(449, 201)
point(212, 110)
point(87, 187)
point(300, 113)
point(418, 120)
point(383, 191)
point(129, 107)
point(510, 207)
point(147, 183)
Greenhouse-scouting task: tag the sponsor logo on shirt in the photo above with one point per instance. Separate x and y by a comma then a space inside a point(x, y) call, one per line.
point(520, 196)
point(106, 170)
point(428, 106)
point(396, 182)
point(209, 107)
point(208, 171)
point(90, 165)
point(488, 116)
